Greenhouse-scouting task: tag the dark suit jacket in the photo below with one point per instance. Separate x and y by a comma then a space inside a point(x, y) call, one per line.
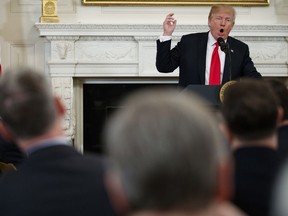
point(255, 171)
point(190, 56)
point(10, 153)
point(283, 143)
point(55, 181)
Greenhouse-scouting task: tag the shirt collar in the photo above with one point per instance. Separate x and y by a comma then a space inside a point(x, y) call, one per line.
point(211, 39)
point(48, 143)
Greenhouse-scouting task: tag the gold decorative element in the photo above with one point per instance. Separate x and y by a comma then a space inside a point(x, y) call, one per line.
point(49, 12)
point(175, 2)
point(224, 88)
point(7, 166)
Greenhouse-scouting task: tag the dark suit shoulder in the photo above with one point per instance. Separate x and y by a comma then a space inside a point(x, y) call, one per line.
point(194, 36)
point(235, 42)
point(10, 152)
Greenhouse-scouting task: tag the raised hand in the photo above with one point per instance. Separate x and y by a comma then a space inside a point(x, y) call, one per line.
point(169, 25)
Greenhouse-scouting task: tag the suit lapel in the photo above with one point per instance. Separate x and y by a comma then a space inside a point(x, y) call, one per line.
point(226, 72)
point(202, 57)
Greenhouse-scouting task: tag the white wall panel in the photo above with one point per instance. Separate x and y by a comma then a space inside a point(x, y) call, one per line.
point(22, 54)
point(35, 6)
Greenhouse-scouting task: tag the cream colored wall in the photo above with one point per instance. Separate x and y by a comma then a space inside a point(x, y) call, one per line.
point(276, 13)
point(21, 44)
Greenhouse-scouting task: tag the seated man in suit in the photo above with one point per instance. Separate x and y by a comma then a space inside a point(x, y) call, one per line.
point(194, 53)
point(167, 157)
point(55, 179)
point(281, 91)
point(250, 111)
point(279, 205)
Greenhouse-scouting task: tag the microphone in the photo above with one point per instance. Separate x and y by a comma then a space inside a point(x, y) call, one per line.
point(222, 44)
point(225, 48)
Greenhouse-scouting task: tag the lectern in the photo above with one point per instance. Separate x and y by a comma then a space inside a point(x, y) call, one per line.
point(210, 93)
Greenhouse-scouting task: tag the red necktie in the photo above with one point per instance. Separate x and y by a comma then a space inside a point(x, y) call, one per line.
point(214, 78)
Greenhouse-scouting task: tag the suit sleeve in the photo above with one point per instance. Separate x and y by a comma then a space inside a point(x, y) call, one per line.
point(167, 60)
point(249, 69)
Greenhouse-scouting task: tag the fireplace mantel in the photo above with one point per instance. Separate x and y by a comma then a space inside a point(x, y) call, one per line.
point(93, 50)
point(75, 52)
point(78, 29)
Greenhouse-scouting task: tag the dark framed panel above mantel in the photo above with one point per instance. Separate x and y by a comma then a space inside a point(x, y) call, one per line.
point(174, 2)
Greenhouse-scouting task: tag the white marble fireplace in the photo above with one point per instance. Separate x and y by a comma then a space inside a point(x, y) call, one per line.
point(90, 53)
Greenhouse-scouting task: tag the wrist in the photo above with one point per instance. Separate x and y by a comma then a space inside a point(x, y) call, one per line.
point(167, 34)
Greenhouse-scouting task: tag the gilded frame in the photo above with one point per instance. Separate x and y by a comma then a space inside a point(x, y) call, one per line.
point(174, 2)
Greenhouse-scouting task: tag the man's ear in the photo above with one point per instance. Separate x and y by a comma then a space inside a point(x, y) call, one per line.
point(116, 192)
point(59, 106)
point(225, 186)
point(5, 132)
point(226, 132)
point(280, 114)
point(209, 22)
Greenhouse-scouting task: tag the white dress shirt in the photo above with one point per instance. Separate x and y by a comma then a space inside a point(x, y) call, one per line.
point(210, 47)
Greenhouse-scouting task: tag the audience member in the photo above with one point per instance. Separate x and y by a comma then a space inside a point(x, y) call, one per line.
point(167, 157)
point(55, 179)
point(9, 151)
point(194, 53)
point(281, 91)
point(280, 193)
point(250, 112)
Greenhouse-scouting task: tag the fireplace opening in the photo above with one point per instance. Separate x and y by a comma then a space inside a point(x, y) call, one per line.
point(100, 100)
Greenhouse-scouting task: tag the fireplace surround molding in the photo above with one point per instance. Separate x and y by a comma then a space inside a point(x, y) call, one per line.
point(76, 53)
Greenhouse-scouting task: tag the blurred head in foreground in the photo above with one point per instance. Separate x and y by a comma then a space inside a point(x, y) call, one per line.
point(250, 110)
point(166, 154)
point(28, 108)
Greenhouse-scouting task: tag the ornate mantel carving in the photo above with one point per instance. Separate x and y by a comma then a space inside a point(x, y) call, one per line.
point(92, 44)
point(101, 51)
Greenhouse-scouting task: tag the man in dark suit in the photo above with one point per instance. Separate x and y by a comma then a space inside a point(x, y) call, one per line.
point(281, 91)
point(250, 111)
point(193, 53)
point(55, 179)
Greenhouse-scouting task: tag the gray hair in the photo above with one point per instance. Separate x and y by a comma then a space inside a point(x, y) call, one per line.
point(26, 102)
point(166, 148)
